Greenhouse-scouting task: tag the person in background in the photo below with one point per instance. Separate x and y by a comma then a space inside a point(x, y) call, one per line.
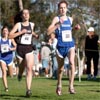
point(16, 68)
point(92, 52)
point(7, 46)
point(62, 26)
point(36, 61)
point(45, 57)
point(23, 33)
point(53, 55)
point(66, 66)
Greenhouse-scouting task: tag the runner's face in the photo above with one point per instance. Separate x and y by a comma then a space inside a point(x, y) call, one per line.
point(63, 9)
point(25, 15)
point(5, 32)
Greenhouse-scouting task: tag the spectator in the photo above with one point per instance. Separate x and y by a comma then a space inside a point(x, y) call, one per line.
point(92, 52)
point(53, 55)
point(66, 66)
point(45, 58)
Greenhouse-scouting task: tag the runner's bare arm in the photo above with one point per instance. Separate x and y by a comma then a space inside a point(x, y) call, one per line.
point(13, 33)
point(33, 33)
point(14, 45)
point(54, 25)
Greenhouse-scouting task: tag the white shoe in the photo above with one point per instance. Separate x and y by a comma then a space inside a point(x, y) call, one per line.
point(46, 76)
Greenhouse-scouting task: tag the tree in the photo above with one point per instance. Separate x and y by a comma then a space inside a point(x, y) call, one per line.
point(82, 10)
point(8, 10)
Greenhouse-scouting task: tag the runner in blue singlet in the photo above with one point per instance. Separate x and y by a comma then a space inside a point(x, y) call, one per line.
point(7, 46)
point(62, 26)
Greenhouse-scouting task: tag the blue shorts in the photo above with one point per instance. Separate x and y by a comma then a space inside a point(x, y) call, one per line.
point(63, 51)
point(6, 58)
point(45, 63)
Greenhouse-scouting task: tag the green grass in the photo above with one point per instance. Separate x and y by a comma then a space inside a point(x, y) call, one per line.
point(44, 89)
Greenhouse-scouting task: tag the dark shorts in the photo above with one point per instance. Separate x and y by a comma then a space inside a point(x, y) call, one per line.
point(22, 50)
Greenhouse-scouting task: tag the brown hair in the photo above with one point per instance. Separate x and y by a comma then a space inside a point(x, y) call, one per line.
point(23, 11)
point(5, 26)
point(63, 1)
point(18, 17)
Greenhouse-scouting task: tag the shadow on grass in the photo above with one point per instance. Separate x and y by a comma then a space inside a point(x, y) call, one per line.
point(21, 97)
point(98, 91)
point(12, 97)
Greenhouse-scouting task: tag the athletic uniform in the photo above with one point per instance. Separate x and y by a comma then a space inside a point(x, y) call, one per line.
point(24, 41)
point(6, 56)
point(64, 36)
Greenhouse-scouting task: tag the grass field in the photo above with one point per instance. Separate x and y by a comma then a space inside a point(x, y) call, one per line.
point(44, 89)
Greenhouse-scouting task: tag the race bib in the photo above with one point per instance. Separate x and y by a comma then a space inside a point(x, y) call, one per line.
point(66, 36)
point(4, 48)
point(26, 39)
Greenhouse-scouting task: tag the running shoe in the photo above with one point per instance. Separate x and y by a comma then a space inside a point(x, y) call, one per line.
point(28, 93)
point(58, 91)
point(19, 77)
point(72, 91)
point(6, 89)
